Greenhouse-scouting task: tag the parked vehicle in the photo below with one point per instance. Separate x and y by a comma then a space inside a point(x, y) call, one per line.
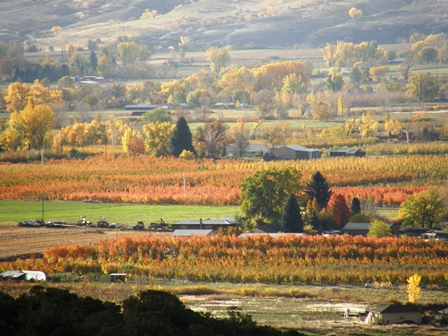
point(83, 221)
point(31, 223)
point(102, 223)
point(139, 226)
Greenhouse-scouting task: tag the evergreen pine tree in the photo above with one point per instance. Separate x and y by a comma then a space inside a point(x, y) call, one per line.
point(315, 222)
point(355, 206)
point(93, 60)
point(291, 220)
point(319, 189)
point(182, 138)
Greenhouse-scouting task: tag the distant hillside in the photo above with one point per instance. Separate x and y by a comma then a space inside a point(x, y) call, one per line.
point(254, 23)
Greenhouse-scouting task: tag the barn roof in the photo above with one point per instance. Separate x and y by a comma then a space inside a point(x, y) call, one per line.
point(223, 221)
point(273, 235)
point(299, 148)
point(189, 233)
point(395, 308)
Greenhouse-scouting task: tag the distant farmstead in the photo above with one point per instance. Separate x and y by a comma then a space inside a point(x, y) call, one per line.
point(295, 152)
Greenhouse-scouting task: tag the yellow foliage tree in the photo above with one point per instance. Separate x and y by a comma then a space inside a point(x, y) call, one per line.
point(270, 76)
point(379, 72)
point(353, 12)
point(413, 288)
point(56, 29)
point(158, 138)
point(31, 126)
point(18, 95)
point(132, 142)
point(329, 54)
point(218, 57)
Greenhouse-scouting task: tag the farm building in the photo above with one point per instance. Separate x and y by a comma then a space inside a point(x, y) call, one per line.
point(204, 224)
point(273, 235)
point(356, 229)
point(295, 152)
point(348, 152)
point(394, 314)
point(24, 275)
point(189, 233)
point(251, 150)
point(140, 107)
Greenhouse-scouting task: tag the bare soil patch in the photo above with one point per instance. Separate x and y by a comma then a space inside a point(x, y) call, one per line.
point(24, 241)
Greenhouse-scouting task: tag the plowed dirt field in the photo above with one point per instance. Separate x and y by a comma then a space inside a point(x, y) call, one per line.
point(22, 241)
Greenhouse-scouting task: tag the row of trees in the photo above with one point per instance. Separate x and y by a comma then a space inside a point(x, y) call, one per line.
point(271, 194)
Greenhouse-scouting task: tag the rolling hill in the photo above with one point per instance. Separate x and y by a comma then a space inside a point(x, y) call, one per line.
point(240, 23)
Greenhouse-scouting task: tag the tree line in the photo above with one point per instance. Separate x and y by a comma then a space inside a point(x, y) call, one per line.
point(52, 311)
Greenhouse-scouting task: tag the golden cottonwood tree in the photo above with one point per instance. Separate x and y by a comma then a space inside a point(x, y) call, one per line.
point(235, 78)
point(158, 138)
point(413, 288)
point(270, 76)
point(30, 127)
point(218, 57)
point(353, 12)
point(132, 142)
point(18, 95)
point(329, 54)
point(379, 72)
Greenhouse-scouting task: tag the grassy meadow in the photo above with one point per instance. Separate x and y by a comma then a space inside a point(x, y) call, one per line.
point(12, 212)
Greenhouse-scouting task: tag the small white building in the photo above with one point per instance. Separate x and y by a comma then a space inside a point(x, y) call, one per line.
point(394, 314)
point(24, 275)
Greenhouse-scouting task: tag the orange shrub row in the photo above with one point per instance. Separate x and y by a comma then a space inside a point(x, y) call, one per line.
point(254, 259)
point(144, 179)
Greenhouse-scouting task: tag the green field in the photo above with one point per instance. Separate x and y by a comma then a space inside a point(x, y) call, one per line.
point(12, 212)
point(15, 211)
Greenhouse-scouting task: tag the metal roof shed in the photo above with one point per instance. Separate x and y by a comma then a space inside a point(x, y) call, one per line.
point(189, 233)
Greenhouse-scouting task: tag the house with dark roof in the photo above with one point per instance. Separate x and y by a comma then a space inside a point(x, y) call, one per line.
point(295, 152)
point(356, 229)
point(394, 314)
point(204, 224)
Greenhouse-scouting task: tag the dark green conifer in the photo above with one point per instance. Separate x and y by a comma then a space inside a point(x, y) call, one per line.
point(355, 207)
point(319, 189)
point(291, 220)
point(182, 138)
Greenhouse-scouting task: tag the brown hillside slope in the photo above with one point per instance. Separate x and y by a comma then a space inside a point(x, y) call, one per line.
point(254, 23)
